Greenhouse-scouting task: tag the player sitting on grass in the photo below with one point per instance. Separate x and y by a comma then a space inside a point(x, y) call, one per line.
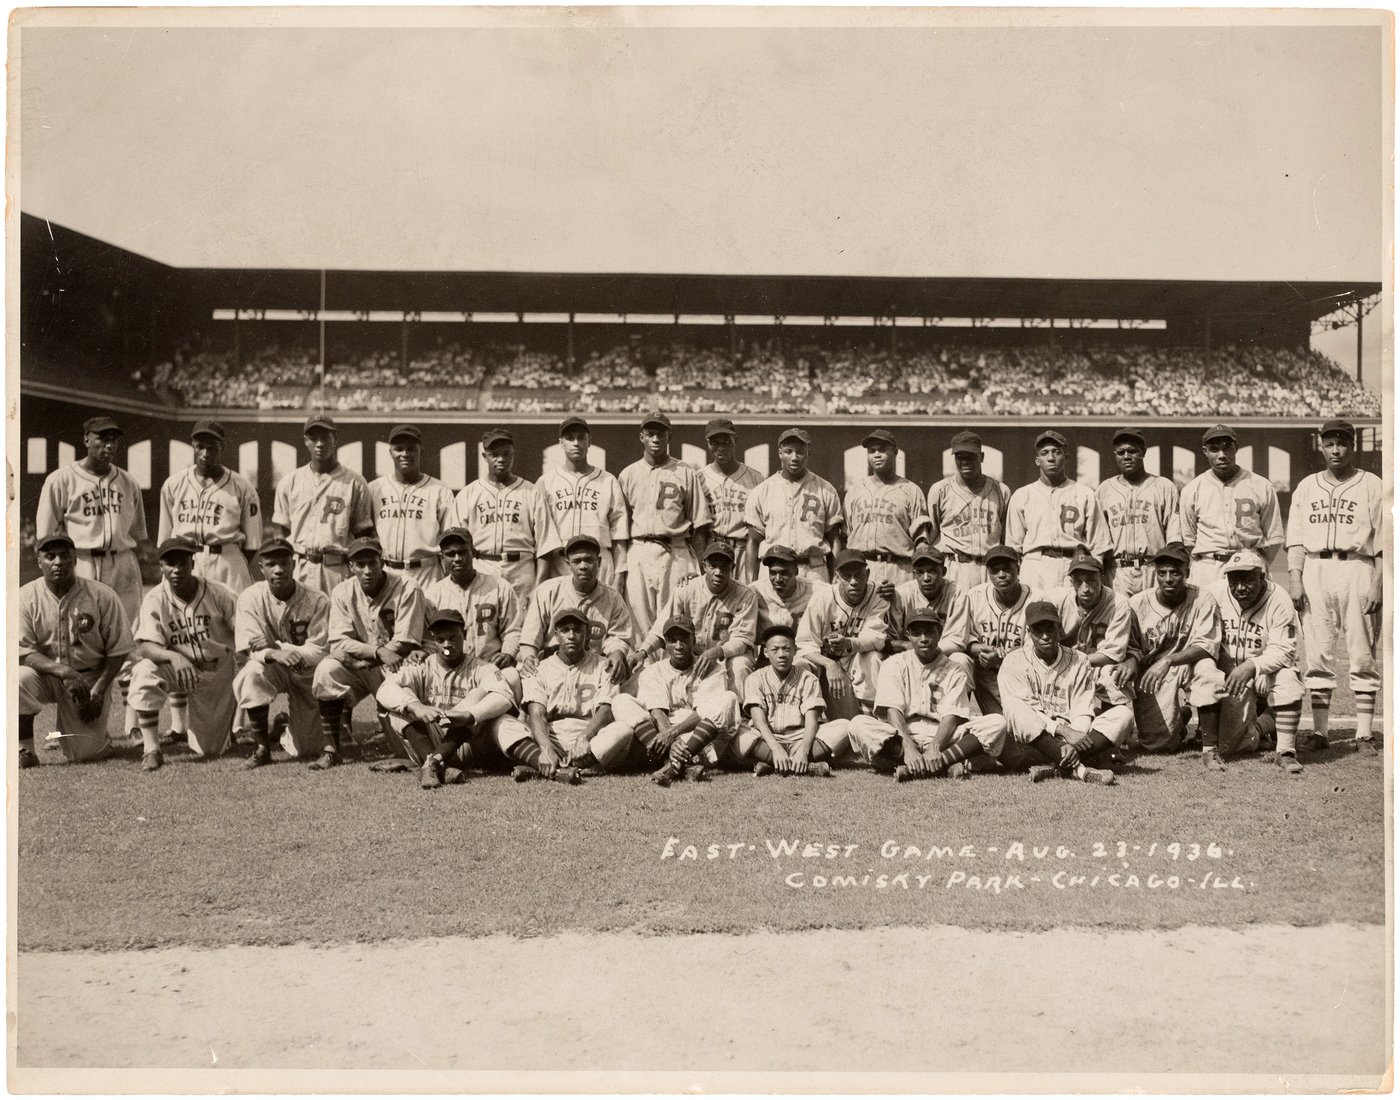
point(932, 590)
point(73, 639)
point(281, 628)
point(681, 708)
point(1047, 695)
point(783, 592)
point(924, 724)
point(567, 707)
point(784, 731)
point(841, 635)
point(1259, 657)
point(185, 646)
point(442, 712)
point(376, 620)
point(610, 625)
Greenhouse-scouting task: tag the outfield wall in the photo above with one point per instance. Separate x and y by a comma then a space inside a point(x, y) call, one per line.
point(268, 444)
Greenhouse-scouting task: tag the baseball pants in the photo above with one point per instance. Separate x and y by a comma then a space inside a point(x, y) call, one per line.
point(565, 734)
point(421, 572)
point(869, 734)
point(653, 571)
point(1160, 718)
point(895, 572)
point(719, 708)
point(986, 691)
point(1240, 720)
point(321, 576)
point(965, 574)
point(119, 571)
point(863, 670)
point(1206, 572)
point(211, 702)
point(409, 738)
point(258, 684)
point(79, 740)
point(334, 680)
point(835, 735)
point(1043, 572)
point(1336, 600)
point(1129, 580)
point(227, 567)
point(520, 575)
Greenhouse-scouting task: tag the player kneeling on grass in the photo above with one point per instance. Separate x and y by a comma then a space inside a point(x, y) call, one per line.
point(1047, 695)
point(567, 702)
point(442, 712)
point(924, 706)
point(376, 620)
point(1259, 657)
point(842, 633)
point(281, 627)
point(681, 709)
point(73, 639)
point(784, 707)
point(184, 647)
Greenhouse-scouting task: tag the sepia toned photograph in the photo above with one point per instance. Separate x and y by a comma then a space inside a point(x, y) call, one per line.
point(728, 550)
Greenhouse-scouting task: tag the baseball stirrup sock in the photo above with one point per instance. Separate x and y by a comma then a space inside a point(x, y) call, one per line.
point(150, 729)
point(685, 747)
point(179, 713)
point(1365, 714)
point(1321, 710)
point(26, 731)
point(1286, 723)
point(888, 757)
point(1048, 745)
point(964, 748)
point(1208, 720)
point(257, 725)
point(331, 710)
point(527, 752)
point(1097, 743)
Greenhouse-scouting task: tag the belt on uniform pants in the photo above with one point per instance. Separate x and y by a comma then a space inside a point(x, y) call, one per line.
point(958, 555)
point(1340, 555)
point(213, 547)
point(1226, 556)
point(661, 540)
point(1052, 551)
point(322, 557)
point(883, 556)
point(514, 555)
point(98, 553)
point(1132, 559)
point(416, 563)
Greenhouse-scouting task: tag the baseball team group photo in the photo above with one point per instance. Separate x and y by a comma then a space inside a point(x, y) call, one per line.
point(551, 616)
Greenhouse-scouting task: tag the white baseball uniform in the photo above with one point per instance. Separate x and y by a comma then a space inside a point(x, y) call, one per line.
point(610, 626)
point(491, 611)
point(1036, 697)
point(680, 693)
point(1105, 628)
point(322, 511)
point(774, 609)
point(785, 703)
point(221, 516)
point(1266, 635)
point(1162, 630)
point(729, 621)
point(966, 524)
point(582, 504)
point(408, 520)
point(106, 519)
point(506, 524)
point(883, 521)
point(728, 494)
point(358, 626)
point(799, 514)
point(951, 605)
point(999, 626)
point(666, 505)
point(433, 682)
point(866, 625)
point(1046, 522)
point(570, 694)
point(299, 623)
point(1141, 520)
point(1219, 517)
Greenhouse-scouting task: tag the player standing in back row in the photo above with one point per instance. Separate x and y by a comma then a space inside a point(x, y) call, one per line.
point(886, 516)
point(1335, 577)
point(215, 509)
point(582, 499)
point(796, 508)
point(1227, 509)
point(1141, 510)
point(1047, 519)
point(728, 483)
point(411, 509)
point(504, 514)
point(968, 513)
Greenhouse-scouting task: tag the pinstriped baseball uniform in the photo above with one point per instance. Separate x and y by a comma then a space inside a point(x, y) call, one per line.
point(300, 623)
point(664, 502)
point(1105, 628)
point(1164, 630)
point(582, 504)
point(408, 520)
point(106, 519)
point(1141, 520)
point(321, 512)
point(800, 514)
point(999, 627)
point(490, 610)
point(866, 624)
point(727, 494)
point(967, 523)
point(925, 694)
point(886, 518)
point(773, 608)
point(218, 512)
point(951, 606)
point(506, 522)
point(1219, 517)
point(1060, 517)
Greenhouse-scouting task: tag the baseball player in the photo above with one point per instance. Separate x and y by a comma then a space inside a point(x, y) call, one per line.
point(1048, 518)
point(581, 499)
point(967, 513)
point(842, 634)
point(488, 605)
point(74, 635)
point(997, 613)
point(410, 510)
point(783, 591)
point(1335, 528)
point(681, 709)
point(214, 508)
point(886, 516)
point(376, 620)
point(281, 628)
point(1047, 692)
point(727, 483)
point(1098, 623)
point(1179, 628)
point(1259, 657)
point(320, 508)
point(567, 710)
point(723, 615)
point(796, 508)
point(505, 515)
point(923, 723)
point(1227, 508)
point(785, 730)
point(669, 516)
point(442, 713)
point(1141, 510)
point(931, 589)
point(611, 632)
point(184, 646)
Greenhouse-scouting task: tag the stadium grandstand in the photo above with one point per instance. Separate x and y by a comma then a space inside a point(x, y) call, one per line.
point(103, 328)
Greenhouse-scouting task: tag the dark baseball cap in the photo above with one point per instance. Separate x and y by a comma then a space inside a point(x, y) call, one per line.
point(101, 424)
point(365, 544)
point(678, 622)
point(848, 557)
point(1040, 611)
point(454, 534)
point(795, 433)
point(720, 426)
point(1132, 435)
point(1338, 427)
point(879, 435)
point(406, 431)
point(929, 554)
point(494, 436)
point(176, 544)
point(55, 538)
point(207, 427)
point(568, 614)
point(446, 615)
point(1001, 552)
point(574, 422)
point(924, 615)
point(775, 629)
point(1084, 560)
point(719, 549)
point(271, 547)
point(1173, 551)
point(1053, 436)
point(587, 542)
point(1220, 431)
point(657, 417)
point(779, 552)
point(966, 443)
point(318, 421)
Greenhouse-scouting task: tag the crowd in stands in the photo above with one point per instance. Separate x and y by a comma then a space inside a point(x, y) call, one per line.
point(441, 378)
point(269, 379)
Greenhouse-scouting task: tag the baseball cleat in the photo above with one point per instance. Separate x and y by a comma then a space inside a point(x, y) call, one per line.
point(663, 777)
point(1316, 742)
point(430, 774)
point(696, 773)
point(961, 770)
point(821, 769)
point(567, 776)
point(522, 773)
point(324, 762)
point(1366, 746)
point(1102, 776)
point(454, 777)
point(28, 758)
point(262, 756)
point(902, 774)
point(393, 765)
point(1288, 762)
point(1041, 772)
point(152, 761)
point(1210, 759)
point(763, 768)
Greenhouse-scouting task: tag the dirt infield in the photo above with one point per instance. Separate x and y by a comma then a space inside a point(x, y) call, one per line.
point(1270, 1000)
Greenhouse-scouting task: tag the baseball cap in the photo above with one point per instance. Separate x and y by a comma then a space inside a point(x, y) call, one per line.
point(847, 557)
point(879, 435)
point(774, 629)
point(1173, 551)
point(496, 435)
point(966, 443)
point(929, 554)
point(656, 416)
point(795, 433)
point(1039, 611)
point(56, 538)
point(924, 615)
point(574, 422)
point(719, 426)
point(318, 421)
point(719, 549)
point(1338, 427)
point(1242, 561)
point(1001, 552)
point(1053, 436)
point(446, 615)
point(101, 424)
point(176, 544)
point(1220, 431)
point(678, 622)
point(588, 542)
point(779, 552)
point(207, 427)
point(366, 543)
point(1084, 560)
point(569, 614)
point(407, 431)
point(274, 546)
point(1132, 435)
point(454, 534)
